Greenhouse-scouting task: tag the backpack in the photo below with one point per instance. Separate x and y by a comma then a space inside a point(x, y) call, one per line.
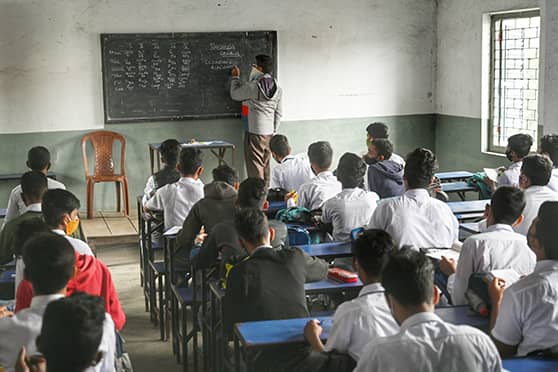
point(295, 215)
point(477, 180)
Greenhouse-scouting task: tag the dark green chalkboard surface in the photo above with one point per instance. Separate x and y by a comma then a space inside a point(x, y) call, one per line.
point(176, 76)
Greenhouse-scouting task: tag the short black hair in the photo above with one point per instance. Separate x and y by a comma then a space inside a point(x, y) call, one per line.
point(409, 277)
point(279, 144)
point(549, 145)
point(547, 233)
point(251, 224)
point(420, 166)
point(34, 184)
point(38, 158)
point(71, 332)
point(252, 193)
point(169, 150)
point(537, 168)
point(190, 161)
point(49, 262)
point(372, 250)
point(520, 144)
point(377, 130)
point(56, 203)
point(383, 147)
point(26, 230)
point(321, 154)
point(265, 62)
point(225, 173)
point(351, 170)
point(507, 204)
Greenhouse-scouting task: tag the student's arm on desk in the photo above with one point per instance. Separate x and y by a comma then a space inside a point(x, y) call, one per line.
point(316, 268)
point(190, 229)
point(154, 203)
point(242, 91)
point(512, 329)
point(312, 332)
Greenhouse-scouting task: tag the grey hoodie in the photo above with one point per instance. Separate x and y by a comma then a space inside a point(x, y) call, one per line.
point(262, 96)
point(386, 178)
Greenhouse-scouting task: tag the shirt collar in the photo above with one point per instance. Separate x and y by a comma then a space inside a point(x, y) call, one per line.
point(35, 207)
point(418, 318)
point(40, 302)
point(371, 288)
point(59, 232)
point(499, 227)
point(536, 188)
point(546, 265)
point(417, 193)
point(517, 164)
point(187, 180)
point(288, 157)
point(261, 247)
point(325, 174)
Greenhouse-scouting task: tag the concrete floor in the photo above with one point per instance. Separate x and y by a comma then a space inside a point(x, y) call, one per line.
point(147, 352)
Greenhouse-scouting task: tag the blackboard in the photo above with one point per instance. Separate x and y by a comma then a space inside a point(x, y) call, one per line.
point(176, 76)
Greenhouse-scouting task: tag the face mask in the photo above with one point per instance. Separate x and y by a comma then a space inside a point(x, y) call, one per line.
point(254, 74)
point(368, 142)
point(509, 155)
point(72, 226)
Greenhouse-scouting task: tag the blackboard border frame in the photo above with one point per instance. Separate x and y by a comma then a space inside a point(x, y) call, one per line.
point(104, 37)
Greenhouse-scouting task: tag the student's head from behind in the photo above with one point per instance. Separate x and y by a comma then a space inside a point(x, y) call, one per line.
point(252, 228)
point(536, 170)
point(60, 210)
point(49, 263)
point(279, 146)
point(408, 279)
point(264, 63)
point(252, 193)
point(321, 156)
point(380, 149)
point(38, 159)
point(420, 166)
point(224, 173)
point(542, 236)
point(26, 230)
point(506, 206)
point(71, 333)
point(190, 163)
point(351, 170)
point(549, 147)
point(33, 186)
point(371, 252)
point(518, 147)
point(376, 131)
point(169, 150)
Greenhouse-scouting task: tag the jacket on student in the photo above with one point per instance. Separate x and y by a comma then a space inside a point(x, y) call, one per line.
point(8, 235)
point(262, 101)
point(93, 278)
point(385, 178)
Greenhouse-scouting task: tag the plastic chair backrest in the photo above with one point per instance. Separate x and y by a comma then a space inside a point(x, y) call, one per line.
point(102, 142)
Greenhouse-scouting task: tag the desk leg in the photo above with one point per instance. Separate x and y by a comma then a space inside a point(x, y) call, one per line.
point(461, 195)
point(236, 354)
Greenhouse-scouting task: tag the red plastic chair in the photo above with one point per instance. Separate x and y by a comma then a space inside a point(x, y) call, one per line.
point(104, 170)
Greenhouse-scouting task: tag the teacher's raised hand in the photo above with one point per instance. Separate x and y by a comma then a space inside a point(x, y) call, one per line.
point(235, 71)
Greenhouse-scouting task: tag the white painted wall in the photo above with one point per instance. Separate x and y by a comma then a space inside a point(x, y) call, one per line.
point(459, 48)
point(337, 59)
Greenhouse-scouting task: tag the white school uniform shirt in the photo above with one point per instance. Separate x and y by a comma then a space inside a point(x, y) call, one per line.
point(416, 220)
point(535, 196)
point(16, 205)
point(510, 176)
point(528, 314)
point(80, 246)
point(313, 195)
point(426, 343)
point(176, 200)
point(357, 322)
point(149, 190)
point(553, 183)
point(497, 248)
point(23, 328)
point(398, 159)
point(349, 209)
point(291, 173)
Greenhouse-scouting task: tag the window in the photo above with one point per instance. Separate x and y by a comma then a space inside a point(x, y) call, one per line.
point(514, 76)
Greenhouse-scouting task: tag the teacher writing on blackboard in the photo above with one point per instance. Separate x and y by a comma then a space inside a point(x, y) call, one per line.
point(261, 96)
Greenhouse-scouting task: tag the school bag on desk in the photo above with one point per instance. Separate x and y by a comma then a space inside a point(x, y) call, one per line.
point(477, 180)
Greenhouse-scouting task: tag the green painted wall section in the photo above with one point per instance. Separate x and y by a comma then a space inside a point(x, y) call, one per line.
point(407, 132)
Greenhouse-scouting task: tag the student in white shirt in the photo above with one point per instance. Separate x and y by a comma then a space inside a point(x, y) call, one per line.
point(367, 317)
point(50, 264)
point(549, 147)
point(169, 151)
point(292, 171)
point(518, 147)
point(415, 219)
point(378, 131)
point(176, 199)
point(312, 195)
point(499, 247)
point(353, 206)
point(38, 159)
point(524, 316)
point(425, 342)
point(535, 174)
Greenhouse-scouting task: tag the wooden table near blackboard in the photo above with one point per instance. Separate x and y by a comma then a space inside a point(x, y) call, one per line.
point(218, 148)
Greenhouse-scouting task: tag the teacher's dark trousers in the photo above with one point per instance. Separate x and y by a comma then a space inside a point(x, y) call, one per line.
point(257, 155)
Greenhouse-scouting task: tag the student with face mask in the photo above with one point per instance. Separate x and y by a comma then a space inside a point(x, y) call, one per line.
point(518, 147)
point(385, 175)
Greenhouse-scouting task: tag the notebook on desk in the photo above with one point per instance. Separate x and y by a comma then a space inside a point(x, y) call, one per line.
point(437, 253)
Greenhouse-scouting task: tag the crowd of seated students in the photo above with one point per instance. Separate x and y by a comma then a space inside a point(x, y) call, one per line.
point(389, 326)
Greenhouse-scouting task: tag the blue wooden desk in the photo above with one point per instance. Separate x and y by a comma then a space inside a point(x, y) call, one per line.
point(463, 315)
point(331, 286)
point(328, 250)
point(467, 207)
point(275, 207)
point(459, 188)
point(467, 229)
point(453, 176)
point(530, 365)
point(3, 212)
point(217, 148)
point(17, 176)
